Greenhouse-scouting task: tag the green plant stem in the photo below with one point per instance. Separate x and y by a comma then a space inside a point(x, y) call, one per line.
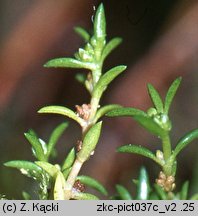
point(95, 101)
point(94, 106)
point(72, 178)
point(168, 167)
point(78, 164)
point(166, 145)
point(97, 73)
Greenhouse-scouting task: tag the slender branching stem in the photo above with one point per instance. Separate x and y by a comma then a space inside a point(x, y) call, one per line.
point(77, 163)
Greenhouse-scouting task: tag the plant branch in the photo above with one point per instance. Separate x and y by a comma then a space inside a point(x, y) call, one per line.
point(166, 145)
point(78, 164)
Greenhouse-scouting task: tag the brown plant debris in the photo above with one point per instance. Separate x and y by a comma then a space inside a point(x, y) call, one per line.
point(83, 111)
point(79, 145)
point(79, 186)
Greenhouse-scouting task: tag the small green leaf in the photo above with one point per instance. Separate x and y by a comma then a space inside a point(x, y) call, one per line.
point(66, 172)
point(84, 55)
point(26, 195)
point(155, 97)
point(68, 63)
point(149, 124)
point(171, 93)
point(100, 23)
point(139, 150)
point(27, 168)
point(55, 136)
point(83, 33)
point(44, 146)
point(59, 187)
point(92, 183)
point(81, 78)
point(84, 196)
point(106, 79)
point(185, 140)
point(90, 141)
point(105, 109)
point(69, 159)
point(184, 191)
point(126, 111)
point(174, 167)
point(161, 193)
point(143, 189)
point(44, 185)
point(123, 192)
point(62, 111)
point(42, 142)
point(52, 170)
point(111, 45)
point(36, 144)
point(34, 171)
point(54, 153)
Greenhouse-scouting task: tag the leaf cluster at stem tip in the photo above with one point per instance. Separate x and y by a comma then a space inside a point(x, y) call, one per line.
point(156, 120)
point(93, 54)
point(90, 57)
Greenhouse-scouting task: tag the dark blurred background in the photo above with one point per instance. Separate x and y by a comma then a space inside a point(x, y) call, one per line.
point(159, 43)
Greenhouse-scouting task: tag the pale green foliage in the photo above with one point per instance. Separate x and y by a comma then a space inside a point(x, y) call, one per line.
point(139, 150)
